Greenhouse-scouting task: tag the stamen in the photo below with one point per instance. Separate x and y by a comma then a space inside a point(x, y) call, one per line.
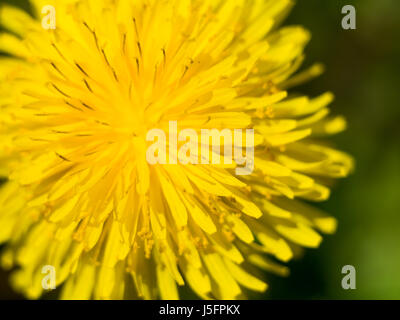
point(136, 29)
point(94, 35)
point(58, 51)
point(140, 49)
point(109, 65)
point(63, 93)
point(86, 106)
point(71, 105)
point(62, 157)
point(58, 70)
point(164, 55)
point(124, 44)
point(82, 70)
point(137, 64)
point(87, 85)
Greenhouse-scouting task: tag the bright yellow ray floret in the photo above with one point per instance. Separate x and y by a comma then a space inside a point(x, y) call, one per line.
point(76, 103)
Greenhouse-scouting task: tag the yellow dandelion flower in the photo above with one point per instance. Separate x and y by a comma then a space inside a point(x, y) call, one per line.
point(76, 104)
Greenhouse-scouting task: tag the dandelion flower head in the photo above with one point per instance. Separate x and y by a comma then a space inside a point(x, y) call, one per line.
point(78, 194)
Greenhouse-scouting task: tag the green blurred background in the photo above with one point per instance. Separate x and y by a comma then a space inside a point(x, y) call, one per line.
point(363, 70)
